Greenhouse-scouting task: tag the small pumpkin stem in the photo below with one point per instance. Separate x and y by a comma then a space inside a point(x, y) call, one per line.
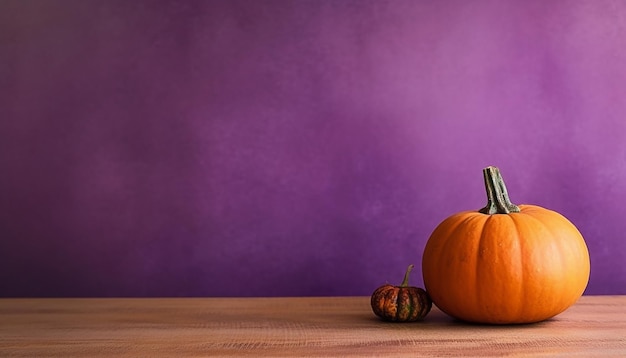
point(405, 281)
point(498, 201)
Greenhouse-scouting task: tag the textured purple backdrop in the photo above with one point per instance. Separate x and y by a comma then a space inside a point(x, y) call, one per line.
point(295, 147)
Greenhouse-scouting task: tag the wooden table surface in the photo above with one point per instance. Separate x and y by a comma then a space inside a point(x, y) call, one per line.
point(290, 327)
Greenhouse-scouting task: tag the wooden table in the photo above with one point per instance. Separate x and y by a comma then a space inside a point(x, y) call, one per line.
point(290, 327)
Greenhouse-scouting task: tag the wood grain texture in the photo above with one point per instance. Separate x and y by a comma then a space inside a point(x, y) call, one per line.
point(290, 327)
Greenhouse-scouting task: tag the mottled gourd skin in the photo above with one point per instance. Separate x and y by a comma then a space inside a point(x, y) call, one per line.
point(505, 264)
point(402, 303)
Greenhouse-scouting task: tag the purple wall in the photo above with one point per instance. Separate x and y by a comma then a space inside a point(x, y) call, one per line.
point(295, 147)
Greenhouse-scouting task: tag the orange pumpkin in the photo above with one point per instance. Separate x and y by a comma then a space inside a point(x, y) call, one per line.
point(505, 264)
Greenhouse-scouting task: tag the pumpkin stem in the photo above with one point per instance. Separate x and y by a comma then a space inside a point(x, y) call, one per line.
point(405, 281)
point(498, 201)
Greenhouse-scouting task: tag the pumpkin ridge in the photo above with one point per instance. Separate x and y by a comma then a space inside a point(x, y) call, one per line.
point(560, 245)
point(559, 258)
point(480, 241)
point(494, 301)
point(490, 272)
point(522, 262)
point(454, 235)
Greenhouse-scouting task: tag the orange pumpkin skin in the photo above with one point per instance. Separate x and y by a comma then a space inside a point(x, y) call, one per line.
point(519, 267)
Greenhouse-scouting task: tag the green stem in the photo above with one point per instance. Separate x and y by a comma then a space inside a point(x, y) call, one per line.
point(498, 201)
point(405, 281)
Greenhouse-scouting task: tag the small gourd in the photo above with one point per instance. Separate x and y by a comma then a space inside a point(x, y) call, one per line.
point(402, 303)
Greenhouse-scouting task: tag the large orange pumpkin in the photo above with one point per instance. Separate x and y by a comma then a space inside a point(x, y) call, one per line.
point(505, 264)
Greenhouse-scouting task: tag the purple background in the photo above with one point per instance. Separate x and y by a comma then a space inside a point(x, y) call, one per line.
point(262, 148)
